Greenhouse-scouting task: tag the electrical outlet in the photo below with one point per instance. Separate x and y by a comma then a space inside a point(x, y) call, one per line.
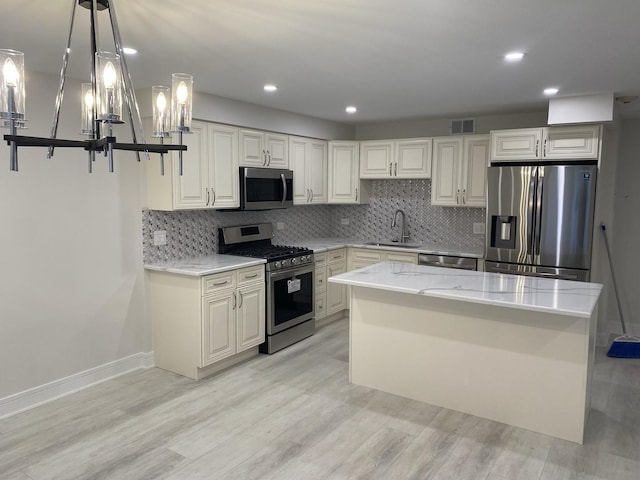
point(478, 228)
point(280, 225)
point(344, 221)
point(159, 238)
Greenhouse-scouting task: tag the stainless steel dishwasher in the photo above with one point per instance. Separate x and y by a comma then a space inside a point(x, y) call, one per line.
point(461, 263)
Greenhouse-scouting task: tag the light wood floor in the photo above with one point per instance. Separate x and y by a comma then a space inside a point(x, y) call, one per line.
point(293, 415)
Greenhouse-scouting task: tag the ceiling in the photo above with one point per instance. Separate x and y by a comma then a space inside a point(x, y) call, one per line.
point(392, 59)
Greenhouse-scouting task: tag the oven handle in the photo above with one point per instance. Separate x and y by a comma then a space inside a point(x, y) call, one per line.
point(292, 272)
point(284, 189)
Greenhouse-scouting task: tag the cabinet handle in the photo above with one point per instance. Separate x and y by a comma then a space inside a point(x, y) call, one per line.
point(458, 196)
point(390, 167)
point(395, 168)
point(320, 281)
point(308, 195)
point(464, 196)
point(264, 160)
point(235, 300)
point(240, 304)
point(544, 148)
point(312, 195)
point(217, 284)
point(319, 307)
point(252, 276)
point(208, 196)
point(269, 162)
point(356, 194)
point(537, 143)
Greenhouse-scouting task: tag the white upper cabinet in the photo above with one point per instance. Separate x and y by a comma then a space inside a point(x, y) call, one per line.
point(308, 160)
point(263, 149)
point(407, 158)
point(344, 174)
point(413, 158)
point(548, 143)
point(459, 171)
point(210, 172)
point(376, 159)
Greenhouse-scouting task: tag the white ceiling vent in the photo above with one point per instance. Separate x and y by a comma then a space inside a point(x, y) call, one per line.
point(460, 126)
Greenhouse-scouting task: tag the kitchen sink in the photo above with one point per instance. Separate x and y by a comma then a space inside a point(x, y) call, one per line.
point(394, 243)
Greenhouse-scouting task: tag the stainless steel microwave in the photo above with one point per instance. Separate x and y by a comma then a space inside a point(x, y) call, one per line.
point(265, 188)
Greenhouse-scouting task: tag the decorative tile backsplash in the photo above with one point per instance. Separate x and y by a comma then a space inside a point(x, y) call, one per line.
point(194, 232)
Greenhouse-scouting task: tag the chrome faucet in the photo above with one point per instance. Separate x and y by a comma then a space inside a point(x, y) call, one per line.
point(404, 236)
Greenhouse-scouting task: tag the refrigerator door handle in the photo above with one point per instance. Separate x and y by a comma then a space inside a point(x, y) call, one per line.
point(538, 224)
point(531, 214)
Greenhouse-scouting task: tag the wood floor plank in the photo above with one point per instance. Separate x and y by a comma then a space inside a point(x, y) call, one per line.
point(294, 415)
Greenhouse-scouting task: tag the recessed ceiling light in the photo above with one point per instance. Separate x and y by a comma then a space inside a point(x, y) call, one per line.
point(351, 109)
point(514, 56)
point(551, 91)
point(270, 88)
point(129, 50)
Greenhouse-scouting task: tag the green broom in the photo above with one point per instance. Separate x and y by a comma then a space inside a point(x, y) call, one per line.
point(624, 346)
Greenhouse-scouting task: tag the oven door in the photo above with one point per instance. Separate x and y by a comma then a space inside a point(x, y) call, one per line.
point(290, 298)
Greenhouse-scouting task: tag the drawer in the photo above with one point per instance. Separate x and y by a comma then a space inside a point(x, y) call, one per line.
point(400, 257)
point(321, 306)
point(336, 255)
point(320, 259)
point(365, 255)
point(218, 281)
point(321, 280)
point(250, 275)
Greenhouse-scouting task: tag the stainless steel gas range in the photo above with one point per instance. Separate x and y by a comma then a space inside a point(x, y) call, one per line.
point(289, 282)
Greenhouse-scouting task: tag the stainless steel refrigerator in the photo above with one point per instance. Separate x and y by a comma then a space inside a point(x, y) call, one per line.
point(540, 220)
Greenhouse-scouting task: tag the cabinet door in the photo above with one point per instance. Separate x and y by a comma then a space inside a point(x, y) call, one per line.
point(336, 294)
point(445, 187)
point(376, 159)
point(251, 316)
point(298, 163)
point(223, 158)
point(413, 158)
point(581, 142)
point(344, 172)
point(190, 190)
point(474, 170)
point(218, 327)
point(252, 149)
point(276, 146)
point(317, 171)
point(516, 144)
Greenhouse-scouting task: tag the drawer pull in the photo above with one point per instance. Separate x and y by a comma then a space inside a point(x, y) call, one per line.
point(252, 276)
point(217, 284)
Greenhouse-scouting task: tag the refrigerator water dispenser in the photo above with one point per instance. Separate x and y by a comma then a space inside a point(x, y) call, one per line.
point(503, 231)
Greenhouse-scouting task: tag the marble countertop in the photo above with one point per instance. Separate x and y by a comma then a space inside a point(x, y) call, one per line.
point(515, 291)
point(319, 245)
point(207, 265)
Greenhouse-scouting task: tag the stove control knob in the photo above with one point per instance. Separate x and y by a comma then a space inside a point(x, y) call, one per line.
point(276, 265)
point(285, 263)
point(294, 261)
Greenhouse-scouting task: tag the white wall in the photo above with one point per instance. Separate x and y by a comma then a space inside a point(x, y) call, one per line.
point(432, 127)
point(625, 231)
point(71, 288)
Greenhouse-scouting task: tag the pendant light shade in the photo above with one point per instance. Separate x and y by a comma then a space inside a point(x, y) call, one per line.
point(181, 101)
point(161, 98)
point(11, 85)
point(109, 86)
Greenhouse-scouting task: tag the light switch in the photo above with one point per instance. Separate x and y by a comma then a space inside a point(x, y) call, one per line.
point(478, 228)
point(344, 221)
point(280, 225)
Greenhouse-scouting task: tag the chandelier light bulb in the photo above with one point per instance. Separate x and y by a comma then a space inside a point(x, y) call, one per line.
point(182, 93)
point(109, 76)
point(161, 102)
point(88, 99)
point(10, 73)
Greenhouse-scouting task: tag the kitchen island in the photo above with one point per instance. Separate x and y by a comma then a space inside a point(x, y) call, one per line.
point(513, 349)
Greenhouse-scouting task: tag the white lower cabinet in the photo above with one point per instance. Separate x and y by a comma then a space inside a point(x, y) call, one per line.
point(330, 298)
point(200, 321)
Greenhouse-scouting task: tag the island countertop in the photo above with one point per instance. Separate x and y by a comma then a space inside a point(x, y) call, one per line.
point(515, 291)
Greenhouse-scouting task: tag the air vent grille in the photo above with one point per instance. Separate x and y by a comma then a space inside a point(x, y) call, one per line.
point(461, 126)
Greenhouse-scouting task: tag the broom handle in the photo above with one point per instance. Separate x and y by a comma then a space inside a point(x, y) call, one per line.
point(613, 277)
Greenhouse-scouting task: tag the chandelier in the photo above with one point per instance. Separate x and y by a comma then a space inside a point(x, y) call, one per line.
point(102, 100)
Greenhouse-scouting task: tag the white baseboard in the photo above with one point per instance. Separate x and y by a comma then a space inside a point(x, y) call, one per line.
point(33, 397)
